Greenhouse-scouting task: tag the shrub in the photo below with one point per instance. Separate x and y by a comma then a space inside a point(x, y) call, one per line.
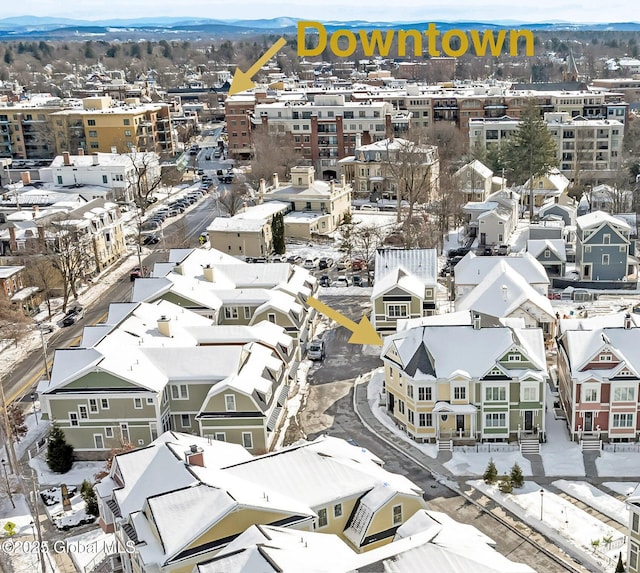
point(505, 485)
point(90, 499)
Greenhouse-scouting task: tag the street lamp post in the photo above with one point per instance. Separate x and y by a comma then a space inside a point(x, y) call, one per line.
point(6, 477)
point(33, 403)
point(44, 354)
point(541, 504)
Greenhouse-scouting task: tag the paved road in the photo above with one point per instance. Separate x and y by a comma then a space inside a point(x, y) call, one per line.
point(329, 410)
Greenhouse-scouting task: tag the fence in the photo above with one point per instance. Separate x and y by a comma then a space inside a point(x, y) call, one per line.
point(487, 448)
point(623, 447)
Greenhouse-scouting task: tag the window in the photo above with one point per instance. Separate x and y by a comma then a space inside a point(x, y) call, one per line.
point(124, 432)
point(605, 358)
point(513, 358)
point(247, 440)
point(126, 121)
point(495, 420)
point(230, 312)
point(606, 239)
point(397, 311)
point(624, 394)
point(94, 145)
point(73, 419)
point(220, 436)
point(137, 403)
point(230, 402)
point(495, 394)
point(635, 523)
point(179, 392)
point(108, 431)
point(153, 430)
point(425, 420)
point(59, 179)
point(633, 553)
point(337, 510)
point(605, 259)
point(91, 122)
point(623, 420)
point(93, 406)
point(529, 393)
point(424, 394)
point(547, 253)
point(590, 395)
point(150, 401)
point(104, 403)
point(185, 420)
point(459, 393)
point(401, 406)
point(410, 417)
point(83, 412)
point(98, 441)
point(409, 390)
point(322, 517)
point(127, 133)
point(247, 312)
point(397, 514)
point(105, 179)
point(271, 317)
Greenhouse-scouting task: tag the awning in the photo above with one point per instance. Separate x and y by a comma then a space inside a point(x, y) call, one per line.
point(446, 408)
point(24, 294)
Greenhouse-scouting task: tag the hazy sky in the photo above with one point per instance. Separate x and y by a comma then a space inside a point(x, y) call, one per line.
point(323, 10)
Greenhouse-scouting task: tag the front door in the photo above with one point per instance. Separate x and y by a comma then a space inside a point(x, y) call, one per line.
point(528, 421)
point(588, 421)
point(483, 238)
point(459, 423)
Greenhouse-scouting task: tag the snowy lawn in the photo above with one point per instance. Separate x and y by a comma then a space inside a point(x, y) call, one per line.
point(75, 476)
point(621, 487)
point(614, 464)
point(474, 464)
point(76, 516)
point(571, 528)
point(20, 515)
point(596, 498)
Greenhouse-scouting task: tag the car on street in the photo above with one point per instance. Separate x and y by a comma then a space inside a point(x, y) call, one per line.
point(151, 239)
point(46, 327)
point(73, 315)
point(207, 157)
point(324, 281)
point(316, 350)
point(357, 280)
point(136, 273)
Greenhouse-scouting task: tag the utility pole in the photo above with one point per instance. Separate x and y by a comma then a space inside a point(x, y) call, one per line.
point(43, 565)
point(11, 452)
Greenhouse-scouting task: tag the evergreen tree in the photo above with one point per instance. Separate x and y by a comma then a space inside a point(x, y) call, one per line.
point(90, 499)
point(277, 229)
point(531, 151)
point(490, 475)
point(516, 476)
point(59, 453)
point(16, 421)
point(620, 566)
point(505, 485)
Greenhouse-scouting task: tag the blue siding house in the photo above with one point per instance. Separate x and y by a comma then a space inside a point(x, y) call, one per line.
point(602, 247)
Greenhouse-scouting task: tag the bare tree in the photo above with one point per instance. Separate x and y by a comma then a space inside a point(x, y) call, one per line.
point(233, 199)
point(42, 273)
point(273, 153)
point(13, 322)
point(144, 177)
point(366, 239)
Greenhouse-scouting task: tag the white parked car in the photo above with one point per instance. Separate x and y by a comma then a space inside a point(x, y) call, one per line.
point(316, 350)
point(310, 263)
point(341, 281)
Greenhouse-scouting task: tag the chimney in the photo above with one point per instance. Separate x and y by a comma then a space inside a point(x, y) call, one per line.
point(343, 181)
point(358, 140)
point(67, 158)
point(195, 456)
point(476, 321)
point(26, 177)
point(177, 269)
point(332, 186)
point(80, 151)
point(13, 245)
point(628, 323)
point(94, 156)
point(505, 292)
point(208, 273)
point(164, 326)
point(276, 182)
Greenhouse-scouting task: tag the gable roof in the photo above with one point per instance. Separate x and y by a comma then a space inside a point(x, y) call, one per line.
point(557, 246)
point(422, 263)
point(472, 268)
point(597, 218)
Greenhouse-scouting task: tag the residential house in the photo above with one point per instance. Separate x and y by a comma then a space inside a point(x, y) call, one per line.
point(318, 207)
point(248, 233)
point(633, 547)
point(505, 294)
point(15, 288)
point(406, 286)
point(610, 199)
point(474, 180)
point(494, 220)
point(461, 381)
point(471, 270)
point(556, 210)
point(151, 367)
point(602, 248)
point(377, 170)
point(552, 185)
point(598, 374)
point(215, 495)
point(550, 253)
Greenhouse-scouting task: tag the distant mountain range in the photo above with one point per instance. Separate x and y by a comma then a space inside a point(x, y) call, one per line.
point(38, 27)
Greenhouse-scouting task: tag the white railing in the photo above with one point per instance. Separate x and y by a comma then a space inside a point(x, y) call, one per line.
point(623, 447)
point(487, 448)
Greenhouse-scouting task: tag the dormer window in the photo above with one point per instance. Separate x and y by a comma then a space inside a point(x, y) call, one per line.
point(514, 358)
point(606, 358)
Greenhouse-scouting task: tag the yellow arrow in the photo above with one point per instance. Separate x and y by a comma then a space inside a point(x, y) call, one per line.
point(242, 80)
point(363, 332)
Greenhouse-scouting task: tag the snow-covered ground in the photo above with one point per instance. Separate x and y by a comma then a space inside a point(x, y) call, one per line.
point(596, 498)
point(75, 476)
point(612, 464)
point(474, 464)
point(621, 487)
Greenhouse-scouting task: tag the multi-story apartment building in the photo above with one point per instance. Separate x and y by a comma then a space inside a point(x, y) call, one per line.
point(588, 149)
point(460, 381)
point(377, 170)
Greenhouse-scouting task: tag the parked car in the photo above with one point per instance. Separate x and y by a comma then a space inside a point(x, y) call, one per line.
point(136, 273)
point(151, 239)
point(460, 252)
point(200, 171)
point(73, 315)
point(325, 263)
point(341, 281)
point(310, 263)
point(324, 281)
point(292, 259)
point(316, 350)
point(46, 327)
point(358, 265)
point(357, 280)
point(207, 157)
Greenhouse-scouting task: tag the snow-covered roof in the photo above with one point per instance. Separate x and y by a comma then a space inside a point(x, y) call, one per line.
point(557, 246)
point(8, 271)
point(422, 263)
point(252, 219)
point(598, 218)
point(472, 268)
point(480, 168)
point(501, 292)
point(401, 278)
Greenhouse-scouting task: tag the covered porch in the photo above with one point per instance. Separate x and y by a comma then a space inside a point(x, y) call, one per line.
point(455, 421)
